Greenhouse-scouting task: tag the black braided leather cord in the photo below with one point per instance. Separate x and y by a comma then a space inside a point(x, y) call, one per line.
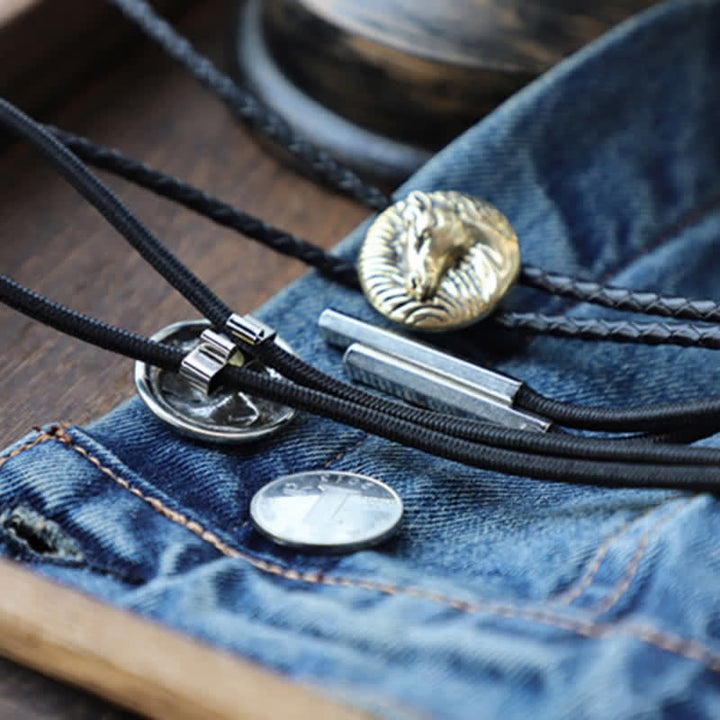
point(622, 331)
point(633, 463)
point(648, 303)
point(249, 109)
point(322, 166)
point(210, 207)
point(345, 272)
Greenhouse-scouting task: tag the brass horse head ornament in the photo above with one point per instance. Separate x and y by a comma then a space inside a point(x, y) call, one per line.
point(438, 261)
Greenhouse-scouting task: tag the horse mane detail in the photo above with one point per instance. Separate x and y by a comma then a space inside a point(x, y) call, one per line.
point(438, 260)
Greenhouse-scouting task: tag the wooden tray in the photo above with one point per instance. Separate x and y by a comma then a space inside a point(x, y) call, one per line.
point(88, 72)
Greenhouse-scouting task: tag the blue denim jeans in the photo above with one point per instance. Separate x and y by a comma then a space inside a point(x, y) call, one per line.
point(500, 596)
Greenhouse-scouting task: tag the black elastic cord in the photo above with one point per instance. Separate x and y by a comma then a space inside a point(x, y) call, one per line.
point(87, 329)
point(447, 436)
point(650, 418)
point(666, 419)
point(323, 400)
point(375, 417)
point(696, 478)
point(115, 212)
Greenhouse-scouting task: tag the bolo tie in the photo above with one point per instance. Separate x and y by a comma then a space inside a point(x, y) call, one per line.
point(460, 256)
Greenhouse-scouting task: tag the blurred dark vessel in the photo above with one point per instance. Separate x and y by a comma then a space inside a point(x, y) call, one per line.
point(382, 84)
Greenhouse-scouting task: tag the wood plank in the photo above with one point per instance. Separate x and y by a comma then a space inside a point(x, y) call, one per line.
point(55, 243)
point(47, 47)
point(139, 664)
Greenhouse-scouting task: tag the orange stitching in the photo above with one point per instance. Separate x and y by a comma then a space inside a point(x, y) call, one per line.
point(41, 438)
point(575, 591)
point(342, 454)
point(623, 586)
point(674, 644)
point(671, 643)
point(177, 517)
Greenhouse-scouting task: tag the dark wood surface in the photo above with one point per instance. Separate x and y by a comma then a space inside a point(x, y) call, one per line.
point(27, 695)
point(48, 48)
point(54, 243)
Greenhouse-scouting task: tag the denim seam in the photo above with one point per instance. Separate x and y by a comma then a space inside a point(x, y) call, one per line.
point(59, 433)
point(64, 437)
point(41, 438)
point(671, 643)
point(344, 453)
point(579, 588)
point(35, 558)
point(625, 581)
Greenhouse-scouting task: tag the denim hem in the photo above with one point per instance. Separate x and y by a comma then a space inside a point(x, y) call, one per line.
point(638, 533)
point(485, 600)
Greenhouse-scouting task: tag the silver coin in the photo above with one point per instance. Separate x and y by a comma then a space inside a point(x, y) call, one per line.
point(223, 416)
point(326, 511)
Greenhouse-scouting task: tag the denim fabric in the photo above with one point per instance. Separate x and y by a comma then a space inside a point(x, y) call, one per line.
point(500, 596)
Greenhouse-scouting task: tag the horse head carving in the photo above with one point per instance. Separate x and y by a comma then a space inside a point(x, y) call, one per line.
point(438, 260)
point(435, 239)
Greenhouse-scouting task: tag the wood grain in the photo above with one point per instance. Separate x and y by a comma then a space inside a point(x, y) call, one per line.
point(55, 243)
point(139, 664)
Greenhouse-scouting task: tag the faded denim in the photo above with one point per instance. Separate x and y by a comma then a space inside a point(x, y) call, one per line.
point(501, 596)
